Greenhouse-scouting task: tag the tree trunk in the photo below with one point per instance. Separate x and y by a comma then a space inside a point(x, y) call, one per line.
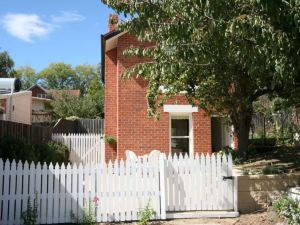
point(243, 135)
point(242, 124)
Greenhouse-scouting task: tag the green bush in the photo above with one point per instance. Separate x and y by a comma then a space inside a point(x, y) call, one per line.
point(289, 209)
point(146, 214)
point(88, 217)
point(30, 216)
point(263, 142)
point(50, 151)
point(110, 139)
point(271, 169)
point(228, 150)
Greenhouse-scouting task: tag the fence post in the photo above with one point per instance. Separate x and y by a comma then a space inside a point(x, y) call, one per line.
point(235, 193)
point(102, 150)
point(162, 182)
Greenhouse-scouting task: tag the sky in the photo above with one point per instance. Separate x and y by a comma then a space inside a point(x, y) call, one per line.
point(39, 32)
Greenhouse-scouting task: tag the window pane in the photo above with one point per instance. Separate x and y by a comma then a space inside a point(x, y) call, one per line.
point(179, 145)
point(180, 127)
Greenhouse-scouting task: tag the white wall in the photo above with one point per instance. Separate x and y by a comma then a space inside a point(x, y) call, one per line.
point(20, 106)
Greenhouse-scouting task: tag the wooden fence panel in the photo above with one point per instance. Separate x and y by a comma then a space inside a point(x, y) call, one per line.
point(25, 132)
point(80, 126)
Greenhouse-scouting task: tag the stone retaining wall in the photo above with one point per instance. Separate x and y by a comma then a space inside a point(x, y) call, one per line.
point(256, 192)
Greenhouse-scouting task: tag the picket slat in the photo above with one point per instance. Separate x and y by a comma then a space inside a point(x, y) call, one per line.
point(44, 195)
point(12, 192)
point(50, 195)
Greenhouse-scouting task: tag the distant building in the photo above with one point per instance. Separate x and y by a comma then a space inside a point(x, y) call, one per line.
point(41, 107)
point(42, 111)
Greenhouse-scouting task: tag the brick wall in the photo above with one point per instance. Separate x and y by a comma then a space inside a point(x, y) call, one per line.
point(111, 103)
point(126, 111)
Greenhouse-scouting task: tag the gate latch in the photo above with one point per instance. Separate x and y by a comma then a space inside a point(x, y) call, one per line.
point(228, 178)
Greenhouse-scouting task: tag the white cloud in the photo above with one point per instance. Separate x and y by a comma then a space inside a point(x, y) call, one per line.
point(26, 26)
point(67, 17)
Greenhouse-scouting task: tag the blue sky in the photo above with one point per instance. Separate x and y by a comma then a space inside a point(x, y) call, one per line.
point(38, 32)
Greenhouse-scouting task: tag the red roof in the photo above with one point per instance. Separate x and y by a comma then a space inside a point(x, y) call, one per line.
point(57, 93)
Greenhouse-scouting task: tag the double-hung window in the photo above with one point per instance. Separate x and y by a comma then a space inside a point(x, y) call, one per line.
point(180, 135)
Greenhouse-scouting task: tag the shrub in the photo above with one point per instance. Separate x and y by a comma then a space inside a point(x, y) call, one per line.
point(263, 142)
point(110, 139)
point(30, 216)
point(50, 151)
point(146, 214)
point(270, 169)
point(228, 150)
point(88, 217)
point(289, 209)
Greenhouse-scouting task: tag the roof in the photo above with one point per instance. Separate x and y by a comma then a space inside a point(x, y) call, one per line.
point(39, 86)
point(58, 93)
point(113, 35)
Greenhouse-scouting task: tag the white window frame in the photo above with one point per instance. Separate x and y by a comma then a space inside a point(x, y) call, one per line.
point(182, 116)
point(41, 95)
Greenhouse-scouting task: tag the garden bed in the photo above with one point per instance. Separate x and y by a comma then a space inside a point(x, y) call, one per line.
point(261, 218)
point(271, 160)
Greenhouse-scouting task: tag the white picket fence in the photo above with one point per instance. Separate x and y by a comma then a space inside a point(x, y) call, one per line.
point(84, 148)
point(123, 188)
point(197, 184)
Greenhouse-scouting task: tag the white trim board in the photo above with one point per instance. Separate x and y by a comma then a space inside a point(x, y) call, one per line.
point(180, 108)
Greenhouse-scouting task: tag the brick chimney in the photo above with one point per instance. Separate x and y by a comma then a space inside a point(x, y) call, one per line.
point(113, 22)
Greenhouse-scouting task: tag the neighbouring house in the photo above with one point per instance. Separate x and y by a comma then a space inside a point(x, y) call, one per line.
point(41, 108)
point(182, 128)
point(15, 105)
point(41, 102)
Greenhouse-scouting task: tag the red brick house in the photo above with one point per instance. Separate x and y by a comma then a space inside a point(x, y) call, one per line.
point(181, 127)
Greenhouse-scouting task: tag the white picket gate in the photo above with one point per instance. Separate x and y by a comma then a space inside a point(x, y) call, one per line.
point(123, 188)
point(84, 148)
point(203, 183)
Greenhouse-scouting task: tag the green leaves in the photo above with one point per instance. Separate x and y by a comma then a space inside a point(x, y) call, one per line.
point(83, 107)
point(58, 76)
point(28, 76)
point(6, 65)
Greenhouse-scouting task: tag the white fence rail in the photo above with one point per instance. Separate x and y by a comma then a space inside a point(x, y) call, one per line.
point(84, 148)
point(123, 188)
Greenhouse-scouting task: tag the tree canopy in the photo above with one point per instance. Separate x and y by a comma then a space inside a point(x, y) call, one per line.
point(58, 76)
point(27, 75)
point(83, 107)
point(6, 65)
point(225, 54)
point(84, 75)
point(85, 78)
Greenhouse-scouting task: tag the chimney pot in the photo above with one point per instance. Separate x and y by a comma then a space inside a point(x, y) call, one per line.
point(113, 22)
